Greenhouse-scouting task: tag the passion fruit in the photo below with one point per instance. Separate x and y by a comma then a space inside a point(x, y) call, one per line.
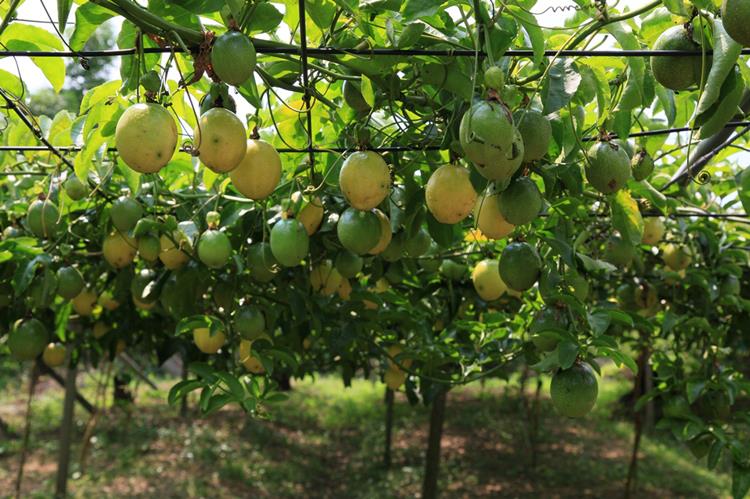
point(84, 303)
point(490, 140)
point(174, 250)
point(490, 219)
point(676, 257)
point(453, 270)
point(69, 282)
point(289, 242)
point(619, 252)
point(143, 286)
point(146, 137)
point(521, 202)
point(543, 327)
point(418, 244)
point(27, 339)
point(309, 211)
point(574, 391)
point(395, 249)
point(149, 247)
point(259, 171)
point(125, 213)
point(324, 278)
point(520, 266)
point(536, 132)
point(345, 290)
point(653, 230)
point(233, 58)
point(364, 180)
point(677, 72)
point(74, 188)
point(608, 167)
point(119, 249)
point(249, 322)
point(450, 194)
point(207, 342)
point(735, 14)
point(261, 262)
point(348, 263)
point(54, 355)
point(385, 233)
point(358, 231)
point(643, 165)
point(42, 219)
point(487, 281)
point(248, 360)
point(214, 248)
point(220, 140)
point(494, 78)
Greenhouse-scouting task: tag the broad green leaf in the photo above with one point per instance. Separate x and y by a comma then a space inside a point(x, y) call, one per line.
point(740, 480)
point(63, 9)
point(20, 36)
point(633, 95)
point(58, 132)
point(567, 351)
point(265, 18)
point(89, 17)
point(368, 90)
point(727, 106)
point(11, 83)
point(560, 85)
point(410, 35)
point(415, 9)
point(132, 177)
point(626, 217)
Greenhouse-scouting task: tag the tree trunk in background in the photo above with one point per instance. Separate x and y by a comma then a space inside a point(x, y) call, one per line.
point(66, 431)
point(184, 402)
point(388, 427)
point(638, 391)
point(33, 378)
point(284, 381)
point(432, 458)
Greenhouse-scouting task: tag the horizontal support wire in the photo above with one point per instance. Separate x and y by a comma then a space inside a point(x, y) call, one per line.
point(319, 150)
point(324, 51)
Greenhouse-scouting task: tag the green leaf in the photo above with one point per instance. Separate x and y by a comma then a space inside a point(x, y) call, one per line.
point(633, 94)
point(599, 321)
point(11, 83)
point(560, 85)
point(567, 352)
point(410, 35)
point(265, 18)
point(368, 91)
point(63, 9)
point(626, 217)
point(232, 383)
point(89, 17)
point(414, 9)
point(718, 115)
point(20, 36)
point(181, 389)
point(694, 389)
point(726, 54)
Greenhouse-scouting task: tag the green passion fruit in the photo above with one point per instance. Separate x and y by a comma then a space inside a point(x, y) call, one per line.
point(149, 247)
point(544, 326)
point(491, 141)
point(249, 322)
point(418, 244)
point(574, 391)
point(643, 165)
point(214, 249)
point(289, 242)
point(358, 230)
point(146, 137)
point(348, 263)
point(69, 282)
point(42, 219)
point(125, 213)
point(261, 262)
point(608, 167)
point(521, 202)
point(735, 14)
point(536, 132)
point(677, 72)
point(618, 251)
point(494, 78)
point(453, 270)
point(27, 339)
point(143, 286)
point(233, 58)
point(74, 188)
point(520, 266)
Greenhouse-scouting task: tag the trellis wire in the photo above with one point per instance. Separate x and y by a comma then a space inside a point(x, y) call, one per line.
point(323, 51)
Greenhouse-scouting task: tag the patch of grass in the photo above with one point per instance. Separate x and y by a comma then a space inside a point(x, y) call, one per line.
point(327, 441)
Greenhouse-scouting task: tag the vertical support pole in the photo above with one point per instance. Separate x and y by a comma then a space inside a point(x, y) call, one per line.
point(66, 428)
point(432, 457)
point(388, 427)
point(306, 84)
